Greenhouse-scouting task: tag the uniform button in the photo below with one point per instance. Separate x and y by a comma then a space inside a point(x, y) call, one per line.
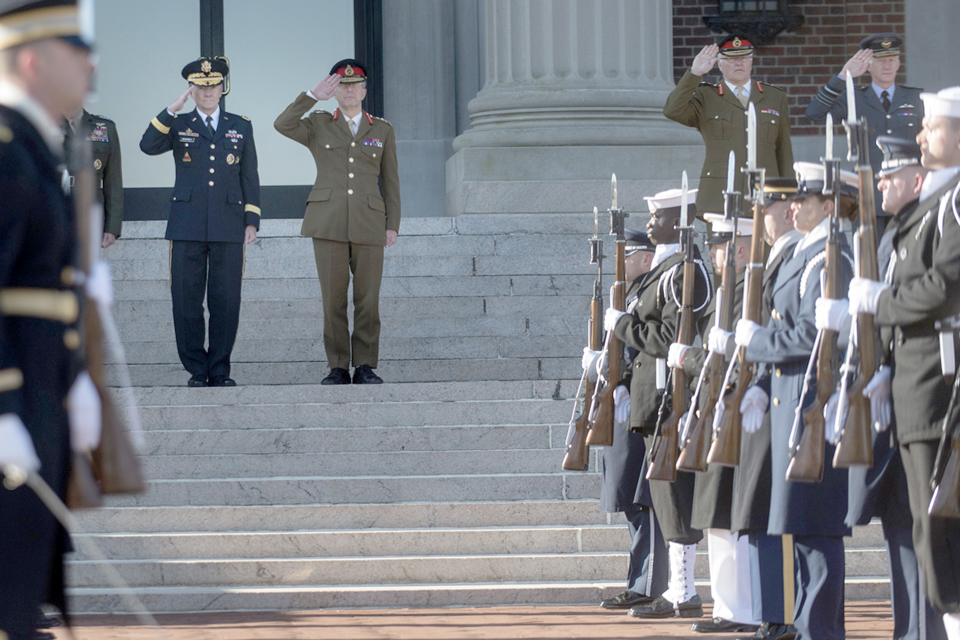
point(211, 169)
point(374, 155)
point(213, 146)
point(71, 339)
point(350, 175)
point(888, 116)
point(212, 158)
point(776, 402)
point(351, 159)
point(779, 372)
point(350, 192)
point(708, 173)
point(327, 146)
point(210, 183)
point(353, 144)
point(68, 276)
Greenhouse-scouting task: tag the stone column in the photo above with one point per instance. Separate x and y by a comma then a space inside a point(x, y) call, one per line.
point(573, 91)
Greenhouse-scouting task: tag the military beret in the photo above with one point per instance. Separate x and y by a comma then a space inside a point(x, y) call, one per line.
point(735, 46)
point(897, 154)
point(205, 72)
point(31, 20)
point(350, 71)
point(883, 44)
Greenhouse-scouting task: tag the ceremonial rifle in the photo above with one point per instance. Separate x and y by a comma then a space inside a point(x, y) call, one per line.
point(855, 446)
point(945, 479)
point(725, 449)
point(601, 409)
point(806, 464)
point(577, 456)
point(663, 461)
point(696, 441)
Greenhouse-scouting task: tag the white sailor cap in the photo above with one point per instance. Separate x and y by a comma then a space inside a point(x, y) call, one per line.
point(723, 228)
point(945, 102)
point(670, 199)
point(810, 179)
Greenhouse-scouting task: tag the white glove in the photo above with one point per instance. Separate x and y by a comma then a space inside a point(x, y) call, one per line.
point(610, 318)
point(753, 407)
point(100, 284)
point(621, 404)
point(16, 445)
point(830, 432)
point(675, 355)
point(83, 408)
point(878, 390)
point(864, 295)
point(745, 331)
point(830, 313)
point(589, 363)
point(718, 340)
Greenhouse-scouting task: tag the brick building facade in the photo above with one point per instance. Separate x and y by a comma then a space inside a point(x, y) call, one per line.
point(800, 62)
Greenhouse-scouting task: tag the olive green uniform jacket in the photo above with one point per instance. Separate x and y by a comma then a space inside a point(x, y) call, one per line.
point(105, 145)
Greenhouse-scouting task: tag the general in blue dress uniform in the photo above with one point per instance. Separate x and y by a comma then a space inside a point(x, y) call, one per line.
point(214, 211)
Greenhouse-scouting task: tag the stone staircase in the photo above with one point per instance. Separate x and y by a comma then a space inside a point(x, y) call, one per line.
point(442, 487)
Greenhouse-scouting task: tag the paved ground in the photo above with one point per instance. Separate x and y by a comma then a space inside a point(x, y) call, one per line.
point(864, 620)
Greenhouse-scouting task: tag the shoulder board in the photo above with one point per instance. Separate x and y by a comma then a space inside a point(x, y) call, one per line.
point(767, 84)
point(102, 118)
point(704, 83)
point(901, 86)
point(245, 118)
point(382, 120)
point(6, 135)
point(323, 111)
point(863, 88)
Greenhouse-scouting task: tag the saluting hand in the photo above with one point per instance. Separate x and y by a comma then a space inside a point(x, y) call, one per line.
point(324, 89)
point(858, 64)
point(705, 60)
point(179, 103)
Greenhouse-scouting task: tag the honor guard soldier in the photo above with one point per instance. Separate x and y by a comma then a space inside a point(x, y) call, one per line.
point(813, 512)
point(890, 109)
point(214, 211)
point(880, 491)
point(621, 463)
point(353, 213)
point(921, 289)
point(102, 134)
point(719, 113)
point(647, 328)
point(45, 71)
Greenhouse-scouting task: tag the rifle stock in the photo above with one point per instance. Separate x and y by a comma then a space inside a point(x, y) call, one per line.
point(577, 456)
point(946, 494)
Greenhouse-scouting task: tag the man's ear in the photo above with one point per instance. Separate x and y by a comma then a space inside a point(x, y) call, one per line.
point(918, 178)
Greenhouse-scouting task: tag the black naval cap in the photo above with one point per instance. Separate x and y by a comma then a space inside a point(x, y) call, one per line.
point(897, 154)
point(205, 72)
point(883, 44)
point(24, 21)
point(735, 46)
point(775, 189)
point(637, 241)
point(350, 71)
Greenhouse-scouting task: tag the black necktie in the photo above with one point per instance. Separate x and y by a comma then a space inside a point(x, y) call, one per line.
point(885, 98)
point(213, 131)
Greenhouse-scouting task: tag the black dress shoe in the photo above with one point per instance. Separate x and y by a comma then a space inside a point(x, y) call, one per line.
point(337, 376)
point(46, 622)
point(663, 608)
point(197, 380)
point(43, 635)
point(773, 631)
point(721, 625)
point(222, 381)
point(365, 375)
point(625, 600)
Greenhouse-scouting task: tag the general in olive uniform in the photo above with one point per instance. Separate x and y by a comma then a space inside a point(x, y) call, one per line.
point(890, 109)
point(719, 113)
point(107, 165)
point(353, 212)
point(214, 211)
point(38, 339)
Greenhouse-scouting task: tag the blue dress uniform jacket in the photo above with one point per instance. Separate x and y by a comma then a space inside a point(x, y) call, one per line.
point(812, 509)
point(722, 122)
point(904, 120)
point(37, 247)
point(217, 190)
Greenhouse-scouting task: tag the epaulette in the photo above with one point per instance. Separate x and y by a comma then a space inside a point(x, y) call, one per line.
point(903, 86)
point(323, 111)
point(245, 118)
point(382, 120)
point(104, 118)
point(6, 135)
point(767, 84)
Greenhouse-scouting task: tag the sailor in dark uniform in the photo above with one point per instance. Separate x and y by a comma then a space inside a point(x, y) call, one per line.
point(214, 212)
point(812, 512)
point(621, 464)
point(921, 289)
point(649, 327)
point(41, 390)
point(890, 109)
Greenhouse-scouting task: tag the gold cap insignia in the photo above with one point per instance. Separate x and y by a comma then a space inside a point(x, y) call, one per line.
point(205, 66)
point(736, 42)
point(348, 71)
point(886, 44)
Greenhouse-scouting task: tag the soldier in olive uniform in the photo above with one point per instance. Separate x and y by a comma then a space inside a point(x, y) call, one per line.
point(648, 327)
point(890, 109)
point(719, 113)
point(102, 134)
point(214, 212)
point(923, 282)
point(353, 213)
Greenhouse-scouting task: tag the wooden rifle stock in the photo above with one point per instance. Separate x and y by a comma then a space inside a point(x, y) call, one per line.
point(945, 480)
point(725, 449)
point(577, 456)
point(663, 462)
point(855, 447)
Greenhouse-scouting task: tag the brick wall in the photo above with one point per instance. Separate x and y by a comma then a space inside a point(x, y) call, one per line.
point(801, 62)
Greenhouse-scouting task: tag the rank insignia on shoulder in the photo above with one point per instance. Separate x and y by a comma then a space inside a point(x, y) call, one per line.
point(186, 156)
point(372, 142)
point(245, 118)
point(97, 164)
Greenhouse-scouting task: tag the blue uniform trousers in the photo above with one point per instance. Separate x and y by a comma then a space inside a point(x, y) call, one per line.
point(649, 567)
point(771, 578)
point(820, 572)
